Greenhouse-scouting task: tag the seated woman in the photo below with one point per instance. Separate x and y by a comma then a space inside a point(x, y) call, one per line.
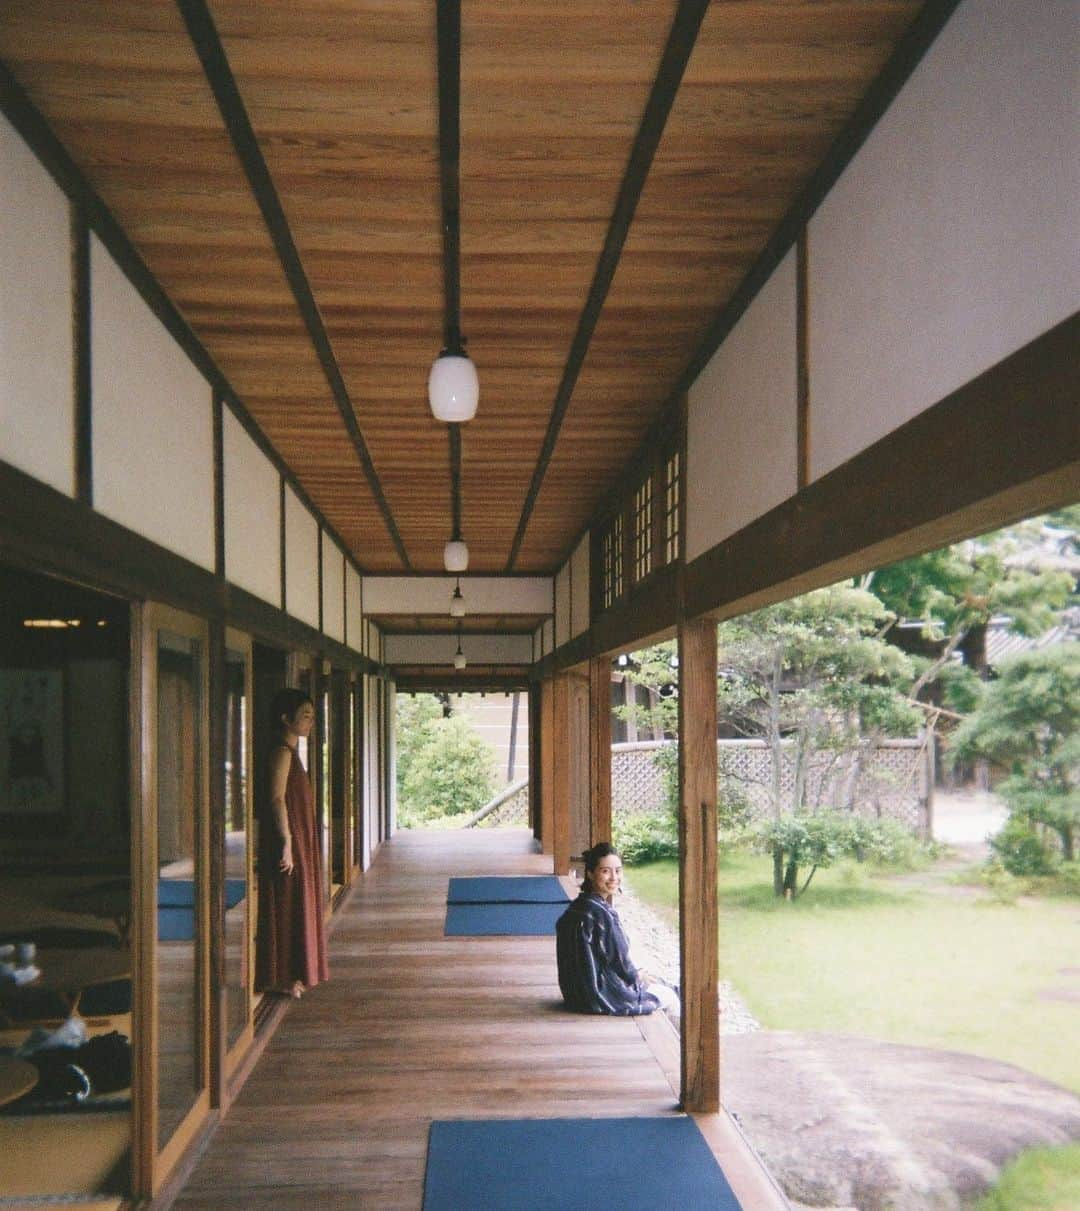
point(596, 974)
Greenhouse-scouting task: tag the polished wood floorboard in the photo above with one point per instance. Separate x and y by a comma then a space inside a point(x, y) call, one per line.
point(414, 1026)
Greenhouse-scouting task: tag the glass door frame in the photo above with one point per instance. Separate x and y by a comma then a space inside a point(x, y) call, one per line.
point(151, 1165)
point(241, 642)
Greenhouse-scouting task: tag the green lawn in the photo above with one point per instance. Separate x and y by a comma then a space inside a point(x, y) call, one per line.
point(860, 954)
point(1043, 1179)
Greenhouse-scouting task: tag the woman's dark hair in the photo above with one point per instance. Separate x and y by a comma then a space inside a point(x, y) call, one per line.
point(286, 702)
point(602, 849)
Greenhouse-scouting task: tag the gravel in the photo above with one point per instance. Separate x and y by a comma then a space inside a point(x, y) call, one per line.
point(654, 947)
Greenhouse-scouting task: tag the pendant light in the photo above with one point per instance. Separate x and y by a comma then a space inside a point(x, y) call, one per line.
point(459, 655)
point(457, 603)
point(455, 555)
point(453, 387)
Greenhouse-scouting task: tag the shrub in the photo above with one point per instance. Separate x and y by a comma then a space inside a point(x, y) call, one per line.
point(1020, 849)
point(451, 774)
point(645, 838)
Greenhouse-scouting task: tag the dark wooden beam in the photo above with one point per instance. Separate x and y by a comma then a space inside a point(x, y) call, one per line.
point(84, 416)
point(44, 530)
point(698, 940)
point(1002, 447)
point(448, 21)
point(802, 359)
point(599, 750)
point(20, 111)
point(895, 74)
point(219, 485)
point(680, 43)
point(207, 43)
point(455, 480)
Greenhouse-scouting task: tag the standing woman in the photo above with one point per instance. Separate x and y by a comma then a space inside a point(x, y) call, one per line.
point(291, 942)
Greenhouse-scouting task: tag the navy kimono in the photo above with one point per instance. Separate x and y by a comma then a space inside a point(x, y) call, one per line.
point(595, 971)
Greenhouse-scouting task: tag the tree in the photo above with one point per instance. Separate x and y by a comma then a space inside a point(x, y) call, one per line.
point(1029, 721)
point(813, 676)
point(452, 773)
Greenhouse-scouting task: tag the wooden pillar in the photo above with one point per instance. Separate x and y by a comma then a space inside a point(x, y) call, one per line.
point(698, 958)
point(599, 750)
point(560, 773)
point(547, 765)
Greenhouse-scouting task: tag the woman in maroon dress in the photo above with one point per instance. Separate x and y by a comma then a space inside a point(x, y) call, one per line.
point(291, 941)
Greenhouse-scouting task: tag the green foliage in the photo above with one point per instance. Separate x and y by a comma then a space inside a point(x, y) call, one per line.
point(1029, 721)
point(821, 839)
point(416, 717)
point(449, 772)
point(645, 838)
point(1040, 1179)
point(1020, 850)
point(666, 760)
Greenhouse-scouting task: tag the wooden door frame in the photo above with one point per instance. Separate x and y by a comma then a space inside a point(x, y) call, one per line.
point(152, 1166)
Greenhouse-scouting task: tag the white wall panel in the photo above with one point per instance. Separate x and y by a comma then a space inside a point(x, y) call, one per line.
point(37, 389)
point(741, 423)
point(152, 421)
point(579, 586)
point(252, 514)
point(354, 608)
point(301, 560)
point(440, 649)
point(333, 566)
point(951, 239)
point(431, 594)
point(562, 605)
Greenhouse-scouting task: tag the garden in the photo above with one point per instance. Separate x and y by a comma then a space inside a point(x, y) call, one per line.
point(836, 917)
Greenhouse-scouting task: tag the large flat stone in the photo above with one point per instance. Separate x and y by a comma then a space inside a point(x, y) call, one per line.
point(843, 1121)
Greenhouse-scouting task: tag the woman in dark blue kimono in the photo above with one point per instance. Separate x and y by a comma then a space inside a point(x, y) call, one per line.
point(596, 973)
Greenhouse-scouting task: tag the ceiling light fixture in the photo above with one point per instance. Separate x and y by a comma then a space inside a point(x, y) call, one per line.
point(457, 603)
point(455, 555)
point(459, 655)
point(453, 386)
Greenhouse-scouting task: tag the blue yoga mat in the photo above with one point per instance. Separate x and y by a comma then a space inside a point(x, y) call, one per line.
point(502, 889)
point(662, 1164)
point(465, 920)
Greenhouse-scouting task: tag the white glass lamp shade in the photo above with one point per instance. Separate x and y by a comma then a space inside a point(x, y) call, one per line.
point(457, 605)
point(455, 556)
point(459, 660)
point(453, 388)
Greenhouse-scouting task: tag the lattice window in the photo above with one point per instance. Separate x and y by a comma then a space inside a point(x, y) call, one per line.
point(611, 558)
point(672, 492)
point(643, 530)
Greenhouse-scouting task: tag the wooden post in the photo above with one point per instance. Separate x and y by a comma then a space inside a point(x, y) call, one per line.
point(561, 780)
point(698, 957)
point(599, 750)
point(547, 766)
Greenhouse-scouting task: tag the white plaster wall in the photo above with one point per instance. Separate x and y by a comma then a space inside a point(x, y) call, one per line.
point(333, 563)
point(579, 588)
point(301, 560)
point(562, 605)
point(440, 649)
point(252, 514)
point(152, 421)
point(951, 239)
point(37, 386)
point(354, 609)
point(483, 594)
point(547, 637)
point(742, 419)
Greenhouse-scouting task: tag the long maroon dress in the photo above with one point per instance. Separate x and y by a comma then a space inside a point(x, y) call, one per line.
point(291, 940)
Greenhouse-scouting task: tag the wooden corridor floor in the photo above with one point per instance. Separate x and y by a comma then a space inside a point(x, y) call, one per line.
point(414, 1026)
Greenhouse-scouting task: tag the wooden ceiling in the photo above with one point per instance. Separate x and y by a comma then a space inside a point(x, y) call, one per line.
point(316, 281)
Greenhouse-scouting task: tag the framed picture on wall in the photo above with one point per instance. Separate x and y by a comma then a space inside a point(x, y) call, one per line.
point(31, 742)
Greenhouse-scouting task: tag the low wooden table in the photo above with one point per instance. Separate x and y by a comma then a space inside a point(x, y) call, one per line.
point(16, 1078)
point(69, 972)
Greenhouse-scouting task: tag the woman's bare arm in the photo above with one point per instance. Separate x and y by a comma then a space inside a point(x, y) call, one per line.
point(280, 760)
